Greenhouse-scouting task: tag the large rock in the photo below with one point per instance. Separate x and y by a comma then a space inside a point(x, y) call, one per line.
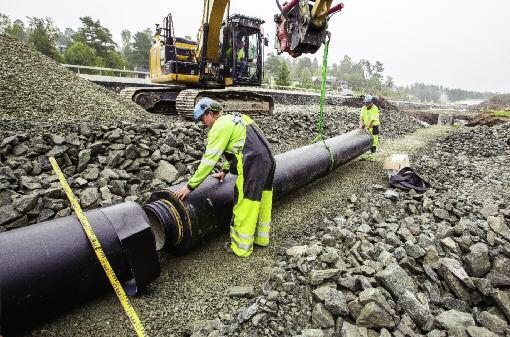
point(503, 301)
point(89, 196)
point(456, 277)
point(452, 319)
point(477, 261)
point(374, 316)
point(115, 158)
point(83, 159)
point(500, 272)
point(319, 276)
point(336, 304)
point(8, 214)
point(312, 333)
point(499, 226)
point(57, 151)
point(247, 313)
point(492, 322)
point(166, 172)
point(241, 291)
point(475, 331)
point(321, 317)
point(56, 139)
point(26, 202)
point(396, 280)
point(296, 251)
point(349, 330)
point(419, 312)
point(322, 292)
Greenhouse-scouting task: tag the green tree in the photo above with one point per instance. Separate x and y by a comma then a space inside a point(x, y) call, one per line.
point(114, 59)
point(81, 54)
point(283, 76)
point(142, 43)
point(306, 78)
point(5, 22)
point(43, 36)
point(17, 30)
point(66, 38)
point(126, 48)
point(316, 69)
point(95, 36)
point(100, 40)
point(302, 64)
point(389, 83)
point(273, 64)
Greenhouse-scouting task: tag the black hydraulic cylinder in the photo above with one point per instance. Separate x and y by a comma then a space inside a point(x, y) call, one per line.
point(51, 266)
point(180, 225)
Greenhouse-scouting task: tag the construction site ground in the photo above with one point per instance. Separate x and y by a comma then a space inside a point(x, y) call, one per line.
point(342, 251)
point(193, 288)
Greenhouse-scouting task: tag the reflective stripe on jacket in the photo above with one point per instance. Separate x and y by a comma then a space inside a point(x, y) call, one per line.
point(227, 135)
point(371, 115)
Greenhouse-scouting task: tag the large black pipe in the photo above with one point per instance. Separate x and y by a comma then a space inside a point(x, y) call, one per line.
point(51, 266)
point(178, 226)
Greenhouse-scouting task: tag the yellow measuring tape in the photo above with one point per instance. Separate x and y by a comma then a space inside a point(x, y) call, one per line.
point(128, 308)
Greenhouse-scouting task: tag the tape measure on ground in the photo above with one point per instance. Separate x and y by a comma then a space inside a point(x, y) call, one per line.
point(128, 308)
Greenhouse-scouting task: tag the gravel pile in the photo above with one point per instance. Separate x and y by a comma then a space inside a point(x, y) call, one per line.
point(35, 87)
point(357, 102)
point(108, 163)
point(396, 263)
point(498, 102)
point(295, 125)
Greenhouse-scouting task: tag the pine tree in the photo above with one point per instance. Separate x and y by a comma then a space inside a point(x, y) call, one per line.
point(283, 77)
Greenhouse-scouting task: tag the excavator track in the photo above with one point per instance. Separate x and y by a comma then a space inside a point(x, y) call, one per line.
point(242, 100)
point(158, 99)
point(181, 101)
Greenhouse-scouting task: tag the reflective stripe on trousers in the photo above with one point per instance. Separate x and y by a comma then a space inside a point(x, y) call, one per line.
point(375, 138)
point(264, 220)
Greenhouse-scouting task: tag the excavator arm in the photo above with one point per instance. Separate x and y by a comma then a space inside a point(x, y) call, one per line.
point(209, 34)
point(301, 26)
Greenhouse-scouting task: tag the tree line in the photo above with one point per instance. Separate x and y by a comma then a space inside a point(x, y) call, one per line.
point(361, 76)
point(90, 45)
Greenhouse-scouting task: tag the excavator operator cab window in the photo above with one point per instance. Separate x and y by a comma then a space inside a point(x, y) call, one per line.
point(247, 50)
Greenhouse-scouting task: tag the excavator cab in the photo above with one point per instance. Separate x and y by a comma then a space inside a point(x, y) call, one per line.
point(242, 50)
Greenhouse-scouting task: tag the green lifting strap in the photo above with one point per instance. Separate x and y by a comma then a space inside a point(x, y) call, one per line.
point(320, 123)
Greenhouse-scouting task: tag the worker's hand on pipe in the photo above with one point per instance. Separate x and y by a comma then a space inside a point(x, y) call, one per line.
point(182, 192)
point(220, 176)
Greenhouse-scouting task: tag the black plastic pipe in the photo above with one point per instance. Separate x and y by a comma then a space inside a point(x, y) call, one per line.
point(180, 225)
point(51, 266)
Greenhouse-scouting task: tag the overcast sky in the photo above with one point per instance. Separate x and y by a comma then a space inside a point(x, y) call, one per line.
point(456, 43)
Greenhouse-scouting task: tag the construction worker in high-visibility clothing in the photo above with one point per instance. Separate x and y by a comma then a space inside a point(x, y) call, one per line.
point(249, 157)
point(369, 120)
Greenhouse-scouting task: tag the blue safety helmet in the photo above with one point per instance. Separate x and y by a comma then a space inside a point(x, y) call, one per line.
point(368, 99)
point(203, 106)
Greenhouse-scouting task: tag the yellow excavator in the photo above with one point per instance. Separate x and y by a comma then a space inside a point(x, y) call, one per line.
point(227, 57)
